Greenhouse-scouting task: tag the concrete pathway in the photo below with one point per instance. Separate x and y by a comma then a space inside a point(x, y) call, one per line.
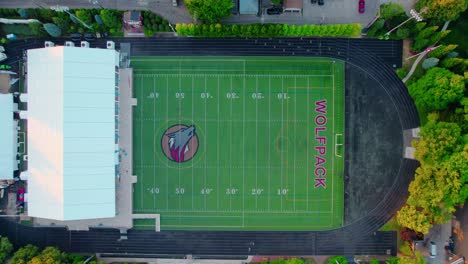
point(461, 246)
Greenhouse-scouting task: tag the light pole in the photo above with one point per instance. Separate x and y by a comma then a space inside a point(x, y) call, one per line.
point(414, 14)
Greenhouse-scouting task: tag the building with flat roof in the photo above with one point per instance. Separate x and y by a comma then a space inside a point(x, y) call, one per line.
point(72, 132)
point(8, 137)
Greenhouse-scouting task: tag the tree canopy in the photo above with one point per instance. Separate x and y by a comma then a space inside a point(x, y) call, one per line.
point(441, 182)
point(209, 11)
point(440, 11)
point(390, 10)
point(5, 249)
point(437, 89)
point(24, 254)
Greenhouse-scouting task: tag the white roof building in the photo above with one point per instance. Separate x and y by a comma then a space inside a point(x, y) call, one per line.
point(8, 138)
point(71, 132)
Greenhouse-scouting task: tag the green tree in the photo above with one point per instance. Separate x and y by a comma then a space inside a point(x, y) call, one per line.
point(24, 254)
point(413, 218)
point(295, 261)
point(439, 140)
point(430, 63)
point(374, 261)
point(437, 89)
point(402, 33)
point(391, 10)
point(337, 260)
point(37, 29)
point(111, 18)
point(440, 184)
point(50, 255)
point(84, 15)
point(449, 63)
point(63, 22)
point(209, 11)
point(442, 51)
point(53, 30)
point(5, 249)
point(441, 10)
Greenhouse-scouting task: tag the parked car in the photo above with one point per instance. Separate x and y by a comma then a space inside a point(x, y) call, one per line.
point(89, 36)
point(75, 37)
point(362, 6)
point(313, 1)
point(321, 2)
point(275, 10)
point(5, 67)
point(20, 196)
point(2, 49)
point(3, 56)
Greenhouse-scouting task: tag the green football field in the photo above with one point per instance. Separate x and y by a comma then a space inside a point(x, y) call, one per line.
point(239, 143)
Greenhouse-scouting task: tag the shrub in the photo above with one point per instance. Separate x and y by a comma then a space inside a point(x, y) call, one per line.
point(23, 13)
point(442, 51)
point(98, 19)
point(376, 27)
point(402, 33)
point(451, 62)
point(53, 30)
point(401, 73)
point(390, 10)
point(420, 44)
point(429, 63)
point(268, 30)
point(63, 23)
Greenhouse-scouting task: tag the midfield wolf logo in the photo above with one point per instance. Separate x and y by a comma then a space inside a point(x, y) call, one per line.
point(180, 143)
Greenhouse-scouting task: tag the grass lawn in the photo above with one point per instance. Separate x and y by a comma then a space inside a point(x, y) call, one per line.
point(229, 143)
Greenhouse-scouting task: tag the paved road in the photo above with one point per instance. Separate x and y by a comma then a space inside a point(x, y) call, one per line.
point(162, 7)
point(333, 12)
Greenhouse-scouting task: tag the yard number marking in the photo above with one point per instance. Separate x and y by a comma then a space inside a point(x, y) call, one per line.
point(180, 190)
point(232, 191)
point(257, 191)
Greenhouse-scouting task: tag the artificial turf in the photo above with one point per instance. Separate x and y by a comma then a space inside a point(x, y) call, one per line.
point(253, 163)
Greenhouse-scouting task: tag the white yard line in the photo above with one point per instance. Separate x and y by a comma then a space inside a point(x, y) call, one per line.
point(333, 138)
point(141, 141)
point(157, 74)
point(282, 124)
point(256, 144)
point(308, 144)
point(204, 141)
point(193, 186)
point(180, 121)
point(294, 142)
point(269, 142)
point(230, 150)
point(243, 150)
point(167, 119)
point(217, 148)
point(154, 129)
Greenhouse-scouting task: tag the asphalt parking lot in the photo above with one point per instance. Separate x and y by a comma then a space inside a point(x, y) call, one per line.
point(332, 12)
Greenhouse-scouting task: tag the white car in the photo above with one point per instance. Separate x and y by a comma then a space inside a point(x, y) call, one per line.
point(3, 56)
